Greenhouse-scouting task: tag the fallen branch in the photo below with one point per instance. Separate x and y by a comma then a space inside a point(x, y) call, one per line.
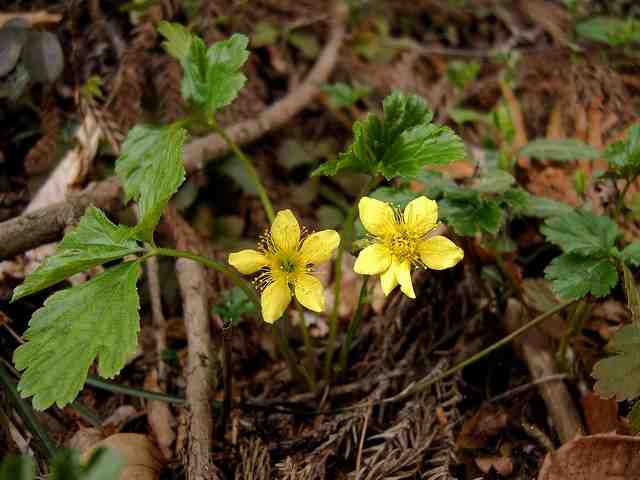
point(531, 347)
point(47, 224)
point(200, 372)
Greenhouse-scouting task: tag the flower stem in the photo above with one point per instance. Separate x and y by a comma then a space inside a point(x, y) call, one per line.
point(134, 392)
point(346, 233)
point(236, 279)
point(354, 327)
point(248, 165)
point(429, 380)
point(310, 354)
point(287, 353)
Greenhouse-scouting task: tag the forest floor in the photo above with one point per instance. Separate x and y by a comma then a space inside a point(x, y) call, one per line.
point(500, 74)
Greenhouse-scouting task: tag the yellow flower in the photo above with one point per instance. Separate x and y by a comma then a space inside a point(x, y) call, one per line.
point(399, 240)
point(285, 260)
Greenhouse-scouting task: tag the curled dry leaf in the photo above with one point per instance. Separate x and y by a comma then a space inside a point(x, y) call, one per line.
point(600, 414)
point(143, 460)
point(603, 457)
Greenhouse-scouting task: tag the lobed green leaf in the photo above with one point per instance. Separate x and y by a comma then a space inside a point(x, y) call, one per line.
point(151, 169)
point(542, 207)
point(562, 150)
point(93, 242)
point(631, 253)
point(581, 232)
point(96, 318)
point(398, 143)
point(178, 40)
point(619, 375)
point(573, 276)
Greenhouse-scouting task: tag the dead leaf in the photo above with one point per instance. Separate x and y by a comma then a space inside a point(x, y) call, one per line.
point(502, 465)
point(85, 438)
point(600, 414)
point(160, 417)
point(597, 457)
point(143, 460)
point(479, 429)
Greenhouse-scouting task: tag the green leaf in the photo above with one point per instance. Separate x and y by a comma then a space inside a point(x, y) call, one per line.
point(96, 318)
point(631, 291)
point(631, 254)
point(610, 30)
point(150, 166)
point(212, 77)
point(467, 218)
point(624, 156)
point(581, 232)
point(17, 468)
point(343, 95)
point(399, 197)
point(178, 40)
point(562, 150)
point(233, 305)
point(516, 199)
point(264, 34)
point(619, 375)
point(494, 181)
point(542, 207)
point(462, 73)
point(306, 43)
point(94, 241)
point(573, 276)
point(423, 145)
point(464, 115)
point(399, 143)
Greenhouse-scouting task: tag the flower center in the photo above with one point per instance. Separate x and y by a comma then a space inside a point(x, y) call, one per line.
point(403, 246)
point(287, 265)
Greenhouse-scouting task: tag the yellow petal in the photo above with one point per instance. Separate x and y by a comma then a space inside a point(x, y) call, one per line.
point(377, 217)
point(247, 261)
point(403, 274)
point(388, 279)
point(274, 300)
point(372, 260)
point(421, 215)
point(285, 231)
point(309, 292)
point(439, 253)
point(318, 247)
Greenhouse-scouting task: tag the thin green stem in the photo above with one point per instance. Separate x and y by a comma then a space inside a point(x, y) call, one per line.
point(133, 392)
point(354, 327)
point(236, 279)
point(309, 352)
point(87, 414)
point(429, 380)
point(26, 413)
point(346, 233)
point(248, 165)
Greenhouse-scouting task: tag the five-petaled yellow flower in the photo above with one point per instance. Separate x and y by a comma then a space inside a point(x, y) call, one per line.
point(285, 260)
point(399, 240)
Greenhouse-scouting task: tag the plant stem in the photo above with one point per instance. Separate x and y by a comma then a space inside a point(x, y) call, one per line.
point(354, 327)
point(311, 358)
point(227, 377)
point(427, 381)
point(346, 233)
point(26, 413)
point(236, 279)
point(283, 341)
point(248, 165)
point(134, 392)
